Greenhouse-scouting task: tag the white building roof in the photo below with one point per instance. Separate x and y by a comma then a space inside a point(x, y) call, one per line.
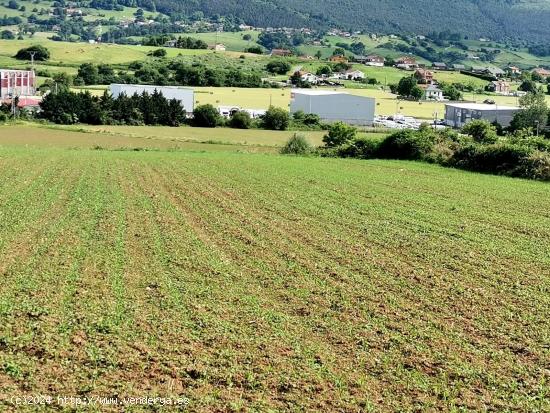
point(481, 106)
point(317, 92)
point(151, 87)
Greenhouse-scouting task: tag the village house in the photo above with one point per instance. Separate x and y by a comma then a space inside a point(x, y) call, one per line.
point(338, 59)
point(499, 86)
point(514, 70)
point(424, 76)
point(459, 67)
point(17, 83)
point(351, 75)
point(542, 72)
point(439, 65)
point(406, 63)
point(281, 52)
point(375, 60)
point(308, 77)
point(432, 92)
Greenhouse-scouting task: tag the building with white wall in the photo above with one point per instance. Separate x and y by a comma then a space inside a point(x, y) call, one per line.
point(332, 106)
point(17, 83)
point(459, 114)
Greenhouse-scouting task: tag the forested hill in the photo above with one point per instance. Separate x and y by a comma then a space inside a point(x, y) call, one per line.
point(498, 19)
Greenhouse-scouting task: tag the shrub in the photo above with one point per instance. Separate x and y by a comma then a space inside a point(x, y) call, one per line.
point(297, 145)
point(157, 53)
point(362, 148)
point(497, 158)
point(278, 67)
point(536, 166)
point(482, 131)
point(40, 53)
point(240, 120)
point(206, 116)
point(276, 119)
point(407, 144)
point(339, 134)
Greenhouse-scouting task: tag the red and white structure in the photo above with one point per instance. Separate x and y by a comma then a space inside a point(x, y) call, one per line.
point(17, 83)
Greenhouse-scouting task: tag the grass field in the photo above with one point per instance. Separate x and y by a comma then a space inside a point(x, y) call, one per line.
point(257, 282)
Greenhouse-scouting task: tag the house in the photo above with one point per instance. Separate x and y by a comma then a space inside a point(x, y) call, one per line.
point(218, 47)
point(459, 114)
point(281, 52)
point(375, 60)
point(542, 72)
point(514, 70)
point(439, 65)
point(406, 63)
point(459, 67)
point(432, 92)
point(333, 106)
point(424, 76)
point(352, 75)
point(308, 77)
point(17, 83)
point(338, 59)
point(171, 43)
point(495, 72)
point(499, 86)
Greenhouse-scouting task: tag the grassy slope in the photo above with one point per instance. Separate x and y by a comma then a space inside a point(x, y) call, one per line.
point(272, 282)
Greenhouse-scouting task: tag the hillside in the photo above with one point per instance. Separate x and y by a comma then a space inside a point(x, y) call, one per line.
point(498, 19)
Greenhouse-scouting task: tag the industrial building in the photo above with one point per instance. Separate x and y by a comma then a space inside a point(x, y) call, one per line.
point(332, 106)
point(459, 114)
point(17, 83)
point(186, 96)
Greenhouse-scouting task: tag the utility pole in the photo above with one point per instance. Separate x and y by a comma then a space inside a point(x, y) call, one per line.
point(32, 59)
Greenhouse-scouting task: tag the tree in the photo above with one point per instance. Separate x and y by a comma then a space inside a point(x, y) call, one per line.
point(40, 53)
point(89, 73)
point(276, 119)
point(339, 52)
point(481, 131)
point(12, 4)
point(206, 116)
point(534, 113)
point(278, 67)
point(416, 92)
point(358, 48)
point(528, 86)
point(405, 86)
point(318, 54)
point(7, 35)
point(247, 37)
point(254, 50)
point(240, 120)
point(339, 134)
point(324, 70)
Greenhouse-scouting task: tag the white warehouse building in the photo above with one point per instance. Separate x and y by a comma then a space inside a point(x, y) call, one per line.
point(186, 96)
point(332, 106)
point(459, 114)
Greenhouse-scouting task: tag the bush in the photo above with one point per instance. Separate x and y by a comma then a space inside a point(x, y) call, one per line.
point(40, 53)
point(482, 131)
point(206, 116)
point(505, 159)
point(278, 67)
point(240, 120)
point(157, 53)
point(407, 144)
point(276, 119)
point(297, 145)
point(361, 148)
point(536, 166)
point(339, 134)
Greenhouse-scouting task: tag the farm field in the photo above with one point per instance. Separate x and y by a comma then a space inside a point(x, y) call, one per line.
point(258, 282)
point(148, 137)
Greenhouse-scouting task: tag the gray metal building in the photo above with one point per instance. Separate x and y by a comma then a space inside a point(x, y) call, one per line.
point(185, 95)
point(459, 114)
point(332, 106)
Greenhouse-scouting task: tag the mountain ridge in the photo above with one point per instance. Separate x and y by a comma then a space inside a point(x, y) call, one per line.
point(498, 19)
